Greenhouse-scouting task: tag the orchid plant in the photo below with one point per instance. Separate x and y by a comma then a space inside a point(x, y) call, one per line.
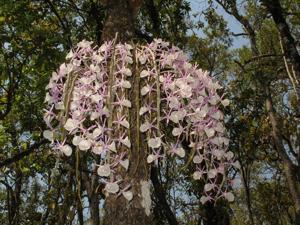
point(88, 110)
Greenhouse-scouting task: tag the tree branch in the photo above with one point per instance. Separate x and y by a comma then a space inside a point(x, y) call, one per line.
point(22, 154)
point(239, 34)
point(62, 23)
point(255, 58)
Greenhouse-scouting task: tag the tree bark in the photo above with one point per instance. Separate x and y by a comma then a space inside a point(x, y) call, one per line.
point(121, 15)
point(138, 211)
point(120, 19)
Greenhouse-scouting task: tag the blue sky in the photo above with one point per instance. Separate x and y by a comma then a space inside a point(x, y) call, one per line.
point(234, 26)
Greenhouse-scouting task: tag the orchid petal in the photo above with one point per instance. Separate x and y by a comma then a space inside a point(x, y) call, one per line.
point(125, 123)
point(154, 142)
point(112, 147)
point(197, 159)
point(126, 142)
point(48, 135)
point(128, 195)
point(229, 196)
point(125, 163)
point(112, 187)
point(145, 90)
point(144, 73)
point(76, 140)
point(67, 150)
point(84, 145)
point(103, 171)
point(208, 187)
point(225, 102)
point(143, 110)
point(197, 175)
point(151, 158)
point(180, 152)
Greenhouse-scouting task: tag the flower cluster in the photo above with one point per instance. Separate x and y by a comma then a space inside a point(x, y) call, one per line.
point(88, 110)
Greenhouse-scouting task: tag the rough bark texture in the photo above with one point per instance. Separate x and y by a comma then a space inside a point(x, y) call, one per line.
point(120, 19)
point(117, 210)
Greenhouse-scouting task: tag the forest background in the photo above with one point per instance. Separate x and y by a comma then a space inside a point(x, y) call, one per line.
point(251, 47)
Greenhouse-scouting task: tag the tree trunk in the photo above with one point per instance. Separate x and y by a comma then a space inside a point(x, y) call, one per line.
point(289, 168)
point(138, 211)
point(94, 208)
point(215, 215)
point(161, 198)
point(246, 181)
point(67, 202)
point(121, 15)
point(90, 185)
point(16, 197)
point(79, 211)
point(288, 42)
point(120, 19)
